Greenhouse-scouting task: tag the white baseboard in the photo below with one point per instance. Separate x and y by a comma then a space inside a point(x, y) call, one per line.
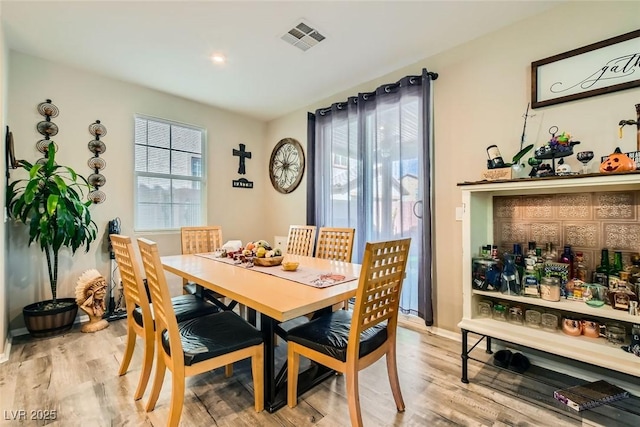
point(418, 323)
point(7, 350)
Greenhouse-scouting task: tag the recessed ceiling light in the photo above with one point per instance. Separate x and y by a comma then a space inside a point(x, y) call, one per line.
point(218, 58)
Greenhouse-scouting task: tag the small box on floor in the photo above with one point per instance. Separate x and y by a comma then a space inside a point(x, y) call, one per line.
point(590, 395)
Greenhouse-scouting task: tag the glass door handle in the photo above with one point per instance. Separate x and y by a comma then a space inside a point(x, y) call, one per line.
point(419, 202)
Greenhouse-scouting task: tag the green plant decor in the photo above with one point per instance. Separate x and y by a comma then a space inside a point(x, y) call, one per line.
point(519, 155)
point(51, 203)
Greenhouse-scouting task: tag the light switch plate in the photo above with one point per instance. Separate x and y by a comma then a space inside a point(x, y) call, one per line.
point(459, 213)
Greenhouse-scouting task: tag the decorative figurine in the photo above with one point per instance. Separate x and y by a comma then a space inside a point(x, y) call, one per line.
point(585, 157)
point(617, 162)
point(557, 147)
point(91, 290)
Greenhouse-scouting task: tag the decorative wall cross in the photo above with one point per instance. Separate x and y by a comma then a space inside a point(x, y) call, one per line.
point(243, 155)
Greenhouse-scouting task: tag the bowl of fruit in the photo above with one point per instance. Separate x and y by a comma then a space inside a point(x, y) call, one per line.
point(263, 254)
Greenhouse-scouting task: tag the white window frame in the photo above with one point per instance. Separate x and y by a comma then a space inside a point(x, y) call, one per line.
point(202, 179)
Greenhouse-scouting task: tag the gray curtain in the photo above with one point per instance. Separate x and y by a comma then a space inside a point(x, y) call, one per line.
point(371, 157)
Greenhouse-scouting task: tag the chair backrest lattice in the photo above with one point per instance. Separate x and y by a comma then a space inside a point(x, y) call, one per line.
point(301, 240)
point(135, 293)
point(201, 239)
point(165, 317)
point(335, 243)
point(378, 295)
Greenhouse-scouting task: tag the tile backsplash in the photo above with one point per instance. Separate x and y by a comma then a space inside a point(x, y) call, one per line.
point(588, 222)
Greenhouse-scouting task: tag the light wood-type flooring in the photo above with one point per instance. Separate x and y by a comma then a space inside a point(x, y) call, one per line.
point(75, 375)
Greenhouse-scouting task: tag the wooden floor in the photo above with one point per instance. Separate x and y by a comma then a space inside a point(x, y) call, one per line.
point(75, 375)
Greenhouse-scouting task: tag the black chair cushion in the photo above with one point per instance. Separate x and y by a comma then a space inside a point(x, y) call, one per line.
point(329, 334)
point(214, 335)
point(186, 307)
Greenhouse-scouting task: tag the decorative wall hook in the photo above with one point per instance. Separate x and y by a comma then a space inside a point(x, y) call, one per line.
point(46, 128)
point(97, 147)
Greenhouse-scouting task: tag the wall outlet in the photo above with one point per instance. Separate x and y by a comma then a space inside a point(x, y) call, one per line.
point(280, 242)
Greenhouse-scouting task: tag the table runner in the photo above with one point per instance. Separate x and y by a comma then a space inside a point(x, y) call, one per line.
point(304, 275)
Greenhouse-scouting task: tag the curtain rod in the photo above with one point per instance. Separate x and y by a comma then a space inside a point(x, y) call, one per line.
point(432, 76)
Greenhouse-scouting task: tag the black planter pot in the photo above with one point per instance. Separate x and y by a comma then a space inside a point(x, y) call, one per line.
point(45, 322)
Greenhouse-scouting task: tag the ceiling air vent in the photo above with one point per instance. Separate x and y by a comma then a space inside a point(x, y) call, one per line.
point(303, 36)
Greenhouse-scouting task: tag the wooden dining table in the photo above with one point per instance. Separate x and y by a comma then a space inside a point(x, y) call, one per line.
point(275, 300)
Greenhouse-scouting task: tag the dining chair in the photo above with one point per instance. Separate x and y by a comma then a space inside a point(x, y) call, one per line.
point(197, 345)
point(301, 240)
point(140, 322)
point(335, 243)
point(349, 341)
point(196, 240)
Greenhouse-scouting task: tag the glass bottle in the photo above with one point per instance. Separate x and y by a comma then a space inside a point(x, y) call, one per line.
point(616, 268)
point(495, 158)
point(531, 253)
point(634, 273)
point(510, 279)
point(567, 258)
point(550, 252)
point(518, 258)
point(601, 274)
point(539, 266)
point(530, 280)
point(621, 298)
point(580, 269)
point(494, 251)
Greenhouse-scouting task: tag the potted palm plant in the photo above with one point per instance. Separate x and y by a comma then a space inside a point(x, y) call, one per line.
point(51, 203)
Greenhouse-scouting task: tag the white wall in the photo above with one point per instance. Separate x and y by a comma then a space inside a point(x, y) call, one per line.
point(480, 97)
point(83, 97)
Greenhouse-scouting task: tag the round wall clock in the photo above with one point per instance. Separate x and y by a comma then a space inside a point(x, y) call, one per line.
point(286, 165)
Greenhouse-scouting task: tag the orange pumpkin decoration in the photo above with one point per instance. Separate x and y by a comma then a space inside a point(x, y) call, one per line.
point(617, 162)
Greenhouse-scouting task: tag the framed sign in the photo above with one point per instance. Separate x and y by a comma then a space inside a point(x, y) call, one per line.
point(603, 67)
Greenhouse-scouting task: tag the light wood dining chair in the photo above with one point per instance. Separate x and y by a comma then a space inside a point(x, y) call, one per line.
point(196, 240)
point(140, 322)
point(349, 341)
point(198, 345)
point(301, 240)
point(336, 243)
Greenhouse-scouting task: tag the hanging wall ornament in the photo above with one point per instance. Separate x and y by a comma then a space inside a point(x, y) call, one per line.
point(97, 147)
point(46, 128)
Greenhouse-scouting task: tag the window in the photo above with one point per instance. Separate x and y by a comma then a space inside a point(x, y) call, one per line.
point(169, 177)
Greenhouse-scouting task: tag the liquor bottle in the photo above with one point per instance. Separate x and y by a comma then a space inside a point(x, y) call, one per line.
point(518, 258)
point(530, 280)
point(494, 251)
point(580, 269)
point(539, 266)
point(634, 271)
point(495, 158)
point(601, 274)
point(510, 279)
point(621, 298)
point(616, 268)
point(531, 253)
point(550, 252)
point(567, 258)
